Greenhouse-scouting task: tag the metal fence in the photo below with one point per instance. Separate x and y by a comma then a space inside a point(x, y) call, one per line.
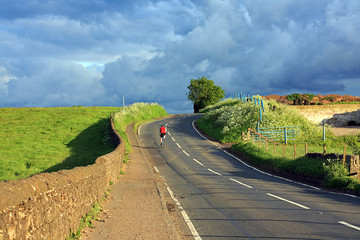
point(279, 133)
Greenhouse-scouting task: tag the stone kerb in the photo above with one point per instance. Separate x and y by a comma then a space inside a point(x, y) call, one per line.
point(50, 205)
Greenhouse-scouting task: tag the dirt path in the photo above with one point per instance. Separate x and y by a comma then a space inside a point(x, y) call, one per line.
point(139, 206)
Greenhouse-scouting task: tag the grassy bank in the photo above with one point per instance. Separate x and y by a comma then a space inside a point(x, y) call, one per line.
point(134, 113)
point(38, 140)
point(228, 119)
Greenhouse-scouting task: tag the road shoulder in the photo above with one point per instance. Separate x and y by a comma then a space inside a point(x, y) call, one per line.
point(138, 205)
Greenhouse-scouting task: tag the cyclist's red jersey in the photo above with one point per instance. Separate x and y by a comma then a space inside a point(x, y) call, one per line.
point(162, 130)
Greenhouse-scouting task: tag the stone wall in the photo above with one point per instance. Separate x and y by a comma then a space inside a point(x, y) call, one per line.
point(50, 205)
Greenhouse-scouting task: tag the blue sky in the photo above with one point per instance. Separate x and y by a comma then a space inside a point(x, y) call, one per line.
point(92, 53)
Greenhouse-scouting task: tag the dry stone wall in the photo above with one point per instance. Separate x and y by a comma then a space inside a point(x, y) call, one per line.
point(50, 205)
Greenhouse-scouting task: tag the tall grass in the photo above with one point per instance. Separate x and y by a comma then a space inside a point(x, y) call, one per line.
point(226, 121)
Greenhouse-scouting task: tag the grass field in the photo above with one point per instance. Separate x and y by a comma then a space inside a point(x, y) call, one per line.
point(37, 140)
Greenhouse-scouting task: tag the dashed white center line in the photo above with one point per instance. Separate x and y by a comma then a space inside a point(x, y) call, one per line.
point(349, 225)
point(186, 153)
point(285, 200)
point(173, 139)
point(198, 162)
point(214, 172)
point(178, 145)
point(234, 180)
point(157, 170)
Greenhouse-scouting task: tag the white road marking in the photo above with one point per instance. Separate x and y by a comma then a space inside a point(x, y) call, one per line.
point(349, 225)
point(214, 172)
point(139, 129)
point(169, 133)
point(234, 180)
point(198, 162)
point(173, 139)
point(157, 170)
point(185, 216)
point(186, 153)
point(178, 145)
point(285, 200)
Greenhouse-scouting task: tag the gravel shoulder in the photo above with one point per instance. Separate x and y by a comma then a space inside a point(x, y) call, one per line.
point(138, 205)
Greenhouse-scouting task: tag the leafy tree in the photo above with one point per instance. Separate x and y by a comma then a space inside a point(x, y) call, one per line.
point(203, 92)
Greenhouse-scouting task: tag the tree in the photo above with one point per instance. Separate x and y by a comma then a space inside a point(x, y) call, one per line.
point(203, 92)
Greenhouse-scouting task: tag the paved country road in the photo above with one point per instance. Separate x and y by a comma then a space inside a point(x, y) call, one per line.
point(224, 198)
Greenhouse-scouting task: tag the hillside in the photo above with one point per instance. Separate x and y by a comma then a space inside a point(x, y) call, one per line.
point(314, 99)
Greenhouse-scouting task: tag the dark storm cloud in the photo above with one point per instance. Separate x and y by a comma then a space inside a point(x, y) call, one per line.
point(95, 53)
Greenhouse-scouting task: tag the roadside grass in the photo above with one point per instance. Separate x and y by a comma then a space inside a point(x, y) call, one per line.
point(38, 140)
point(87, 221)
point(134, 113)
point(226, 120)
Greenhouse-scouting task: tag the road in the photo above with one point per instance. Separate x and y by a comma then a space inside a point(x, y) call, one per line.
point(226, 199)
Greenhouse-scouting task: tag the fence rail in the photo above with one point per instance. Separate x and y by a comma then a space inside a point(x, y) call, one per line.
point(352, 162)
point(280, 133)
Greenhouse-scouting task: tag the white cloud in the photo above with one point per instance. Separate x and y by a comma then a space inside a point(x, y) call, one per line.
point(5, 77)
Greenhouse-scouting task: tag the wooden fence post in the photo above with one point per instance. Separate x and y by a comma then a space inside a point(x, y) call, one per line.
point(266, 144)
point(324, 149)
point(294, 150)
point(344, 155)
point(248, 134)
point(274, 148)
point(306, 148)
point(284, 149)
point(259, 142)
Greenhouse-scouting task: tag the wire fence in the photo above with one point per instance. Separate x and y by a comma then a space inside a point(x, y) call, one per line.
point(298, 150)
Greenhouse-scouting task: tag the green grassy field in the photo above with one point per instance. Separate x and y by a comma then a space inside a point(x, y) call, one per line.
point(37, 140)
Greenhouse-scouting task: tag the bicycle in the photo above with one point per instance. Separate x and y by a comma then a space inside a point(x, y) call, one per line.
point(163, 140)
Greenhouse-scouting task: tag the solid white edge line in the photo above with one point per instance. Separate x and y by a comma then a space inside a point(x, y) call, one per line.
point(249, 166)
point(178, 145)
point(349, 225)
point(198, 162)
point(186, 153)
point(157, 170)
point(285, 200)
point(139, 129)
point(234, 180)
point(185, 216)
point(214, 172)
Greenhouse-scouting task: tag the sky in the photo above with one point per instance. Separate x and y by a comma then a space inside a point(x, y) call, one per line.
point(97, 53)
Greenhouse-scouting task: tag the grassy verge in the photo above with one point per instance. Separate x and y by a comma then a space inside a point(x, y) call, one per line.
point(226, 120)
point(134, 113)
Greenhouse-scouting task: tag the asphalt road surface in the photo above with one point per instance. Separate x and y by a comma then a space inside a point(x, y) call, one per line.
point(223, 198)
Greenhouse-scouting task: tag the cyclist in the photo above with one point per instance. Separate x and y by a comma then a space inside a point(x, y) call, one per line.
point(162, 134)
